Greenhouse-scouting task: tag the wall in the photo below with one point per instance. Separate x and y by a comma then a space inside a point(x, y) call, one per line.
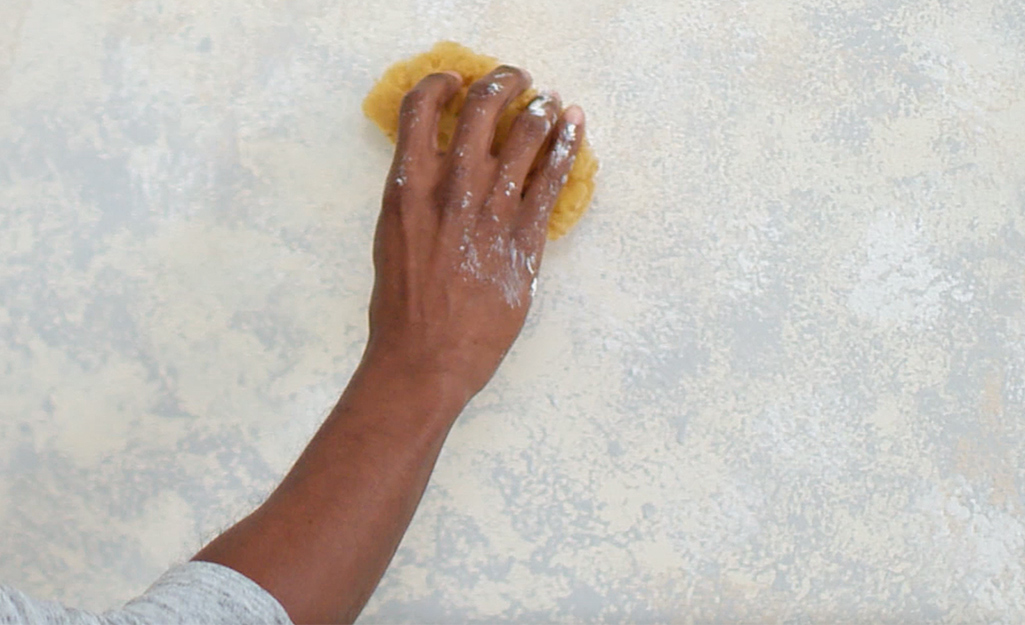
point(776, 374)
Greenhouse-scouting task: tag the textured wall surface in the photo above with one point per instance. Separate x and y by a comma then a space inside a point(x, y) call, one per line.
point(777, 374)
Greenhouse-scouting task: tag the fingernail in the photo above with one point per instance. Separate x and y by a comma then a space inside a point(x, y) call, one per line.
point(574, 115)
point(456, 74)
point(505, 70)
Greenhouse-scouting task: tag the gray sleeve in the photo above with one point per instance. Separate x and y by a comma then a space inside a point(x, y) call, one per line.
point(194, 593)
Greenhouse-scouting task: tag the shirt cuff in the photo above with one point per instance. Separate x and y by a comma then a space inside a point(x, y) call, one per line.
point(204, 592)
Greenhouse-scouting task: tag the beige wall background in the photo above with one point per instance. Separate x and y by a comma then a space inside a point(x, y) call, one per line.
point(776, 375)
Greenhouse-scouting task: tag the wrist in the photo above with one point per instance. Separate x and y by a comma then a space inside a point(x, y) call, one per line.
point(417, 395)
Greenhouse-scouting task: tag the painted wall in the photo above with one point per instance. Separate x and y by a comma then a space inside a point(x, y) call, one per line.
point(777, 374)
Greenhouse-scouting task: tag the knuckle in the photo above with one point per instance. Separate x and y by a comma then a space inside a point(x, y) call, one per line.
point(461, 169)
point(495, 83)
point(414, 99)
point(532, 130)
point(481, 90)
point(528, 137)
point(536, 127)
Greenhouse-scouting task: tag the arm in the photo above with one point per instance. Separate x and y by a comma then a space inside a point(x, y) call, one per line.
point(458, 243)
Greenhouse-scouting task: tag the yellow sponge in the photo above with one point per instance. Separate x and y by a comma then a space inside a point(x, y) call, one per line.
point(382, 106)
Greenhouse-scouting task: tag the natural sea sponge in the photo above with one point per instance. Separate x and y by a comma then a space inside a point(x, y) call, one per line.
point(384, 100)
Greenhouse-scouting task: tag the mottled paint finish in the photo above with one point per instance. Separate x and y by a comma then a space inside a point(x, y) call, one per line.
point(776, 375)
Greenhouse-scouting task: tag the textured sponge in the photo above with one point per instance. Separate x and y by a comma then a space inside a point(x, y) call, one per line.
point(383, 102)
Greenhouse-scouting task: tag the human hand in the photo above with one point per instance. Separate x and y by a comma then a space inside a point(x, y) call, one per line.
point(461, 231)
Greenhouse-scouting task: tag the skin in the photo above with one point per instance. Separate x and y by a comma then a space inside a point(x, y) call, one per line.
point(458, 244)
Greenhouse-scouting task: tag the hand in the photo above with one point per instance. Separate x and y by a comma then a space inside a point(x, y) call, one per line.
point(461, 232)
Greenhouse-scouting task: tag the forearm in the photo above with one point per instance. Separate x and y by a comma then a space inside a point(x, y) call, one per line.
point(325, 536)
